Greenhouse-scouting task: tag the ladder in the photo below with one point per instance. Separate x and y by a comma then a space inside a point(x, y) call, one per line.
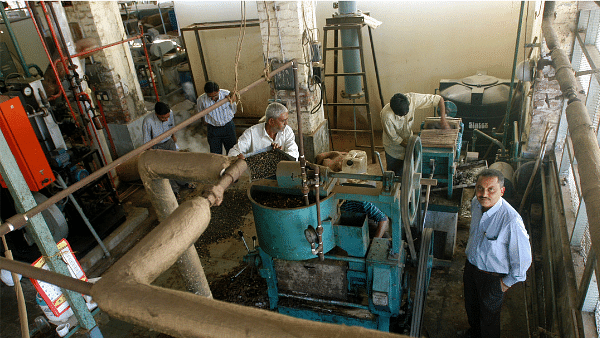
point(334, 25)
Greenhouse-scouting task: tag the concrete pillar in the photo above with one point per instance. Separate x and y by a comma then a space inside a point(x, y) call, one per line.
point(99, 23)
point(282, 26)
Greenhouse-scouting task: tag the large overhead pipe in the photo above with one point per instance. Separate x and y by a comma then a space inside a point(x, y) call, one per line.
point(581, 129)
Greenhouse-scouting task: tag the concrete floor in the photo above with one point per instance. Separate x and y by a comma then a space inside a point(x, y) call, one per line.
point(444, 314)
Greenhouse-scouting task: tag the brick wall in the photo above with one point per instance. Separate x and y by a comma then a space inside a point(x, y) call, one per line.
point(282, 25)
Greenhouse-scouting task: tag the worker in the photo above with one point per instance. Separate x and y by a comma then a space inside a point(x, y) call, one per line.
point(156, 124)
point(373, 214)
point(397, 119)
point(333, 160)
point(219, 122)
point(498, 255)
point(273, 132)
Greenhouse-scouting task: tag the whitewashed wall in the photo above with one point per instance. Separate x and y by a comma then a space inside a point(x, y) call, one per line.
point(418, 44)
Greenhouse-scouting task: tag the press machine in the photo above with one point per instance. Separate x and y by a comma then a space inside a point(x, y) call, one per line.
point(319, 262)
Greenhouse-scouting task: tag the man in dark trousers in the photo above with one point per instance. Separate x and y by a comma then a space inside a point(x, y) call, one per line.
point(498, 255)
point(219, 122)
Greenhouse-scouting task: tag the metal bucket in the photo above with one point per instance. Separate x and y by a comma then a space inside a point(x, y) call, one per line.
point(280, 231)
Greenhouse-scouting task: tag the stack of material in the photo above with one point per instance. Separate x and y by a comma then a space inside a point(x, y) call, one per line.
point(439, 138)
point(264, 164)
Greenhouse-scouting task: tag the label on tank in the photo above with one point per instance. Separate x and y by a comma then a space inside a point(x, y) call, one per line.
point(478, 125)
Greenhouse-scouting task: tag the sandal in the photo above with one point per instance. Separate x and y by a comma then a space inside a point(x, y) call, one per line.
point(190, 186)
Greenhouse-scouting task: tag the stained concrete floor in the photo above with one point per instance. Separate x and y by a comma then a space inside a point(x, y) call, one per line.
point(444, 313)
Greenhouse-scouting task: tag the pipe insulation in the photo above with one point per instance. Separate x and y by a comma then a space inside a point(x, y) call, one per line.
point(155, 168)
point(587, 152)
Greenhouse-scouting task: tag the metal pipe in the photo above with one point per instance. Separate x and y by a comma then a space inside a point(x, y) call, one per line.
point(581, 128)
point(300, 134)
point(15, 42)
point(548, 239)
point(516, 143)
point(110, 138)
point(141, 27)
point(93, 50)
point(326, 301)
point(538, 161)
point(58, 81)
point(493, 140)
point(63, 185)
point(512, 78)
point(318, 207)
point(20, 220)
point(46, 276)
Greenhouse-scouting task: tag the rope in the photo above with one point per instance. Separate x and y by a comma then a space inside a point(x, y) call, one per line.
point(266, 70)
point(239, 53)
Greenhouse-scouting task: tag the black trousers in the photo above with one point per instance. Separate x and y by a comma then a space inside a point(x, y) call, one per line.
point(219, 137)
point(483, 300)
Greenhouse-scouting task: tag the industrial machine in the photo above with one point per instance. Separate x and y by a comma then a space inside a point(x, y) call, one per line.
point(441, 149)
point(49, 163)
point(320, 263)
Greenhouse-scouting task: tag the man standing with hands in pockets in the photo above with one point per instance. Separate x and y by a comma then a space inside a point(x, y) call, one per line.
point(498, 255)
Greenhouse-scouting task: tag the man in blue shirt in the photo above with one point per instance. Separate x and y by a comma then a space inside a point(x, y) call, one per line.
point(156, 124)
point(219, 122)
point(498, 254)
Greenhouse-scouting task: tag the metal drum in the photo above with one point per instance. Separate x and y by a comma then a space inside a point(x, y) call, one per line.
point(280, 231)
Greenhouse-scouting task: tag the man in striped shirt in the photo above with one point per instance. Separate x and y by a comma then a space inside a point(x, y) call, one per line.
point(220, 126)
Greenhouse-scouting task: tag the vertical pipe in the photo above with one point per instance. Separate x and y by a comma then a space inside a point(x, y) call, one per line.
point(148, 62)
point(62, 89)
point(351, 61)
point(14, 41)
point(336, 68)
point(318, 207)
point(300, 134)
point(512, 78)
point(63, 185)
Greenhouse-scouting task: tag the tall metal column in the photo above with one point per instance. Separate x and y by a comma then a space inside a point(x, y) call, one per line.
point(41, 234)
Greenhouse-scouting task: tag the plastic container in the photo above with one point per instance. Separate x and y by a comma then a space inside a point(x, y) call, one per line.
point(355, 162)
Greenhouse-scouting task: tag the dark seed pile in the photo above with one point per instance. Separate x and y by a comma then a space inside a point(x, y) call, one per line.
point(280, 201)
point(248, 288)
point(263, 165)
point(225, 219)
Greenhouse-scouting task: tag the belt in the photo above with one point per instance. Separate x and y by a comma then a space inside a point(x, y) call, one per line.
point(495, 274)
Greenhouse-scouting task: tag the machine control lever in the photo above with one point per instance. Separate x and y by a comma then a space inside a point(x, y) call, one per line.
point(253, 243)
point(241, 233)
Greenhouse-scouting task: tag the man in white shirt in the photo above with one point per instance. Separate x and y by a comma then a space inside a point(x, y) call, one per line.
point(274, 132)
point(219, 122)
point(397, 118)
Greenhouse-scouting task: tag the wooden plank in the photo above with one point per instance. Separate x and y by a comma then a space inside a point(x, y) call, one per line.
point(439, 138)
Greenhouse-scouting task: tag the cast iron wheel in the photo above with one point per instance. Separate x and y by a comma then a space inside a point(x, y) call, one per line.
point(411, 182)
point(423, 278)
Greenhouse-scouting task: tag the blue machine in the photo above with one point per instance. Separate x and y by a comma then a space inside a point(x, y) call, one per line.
point(441, 161)
point(357, 281)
